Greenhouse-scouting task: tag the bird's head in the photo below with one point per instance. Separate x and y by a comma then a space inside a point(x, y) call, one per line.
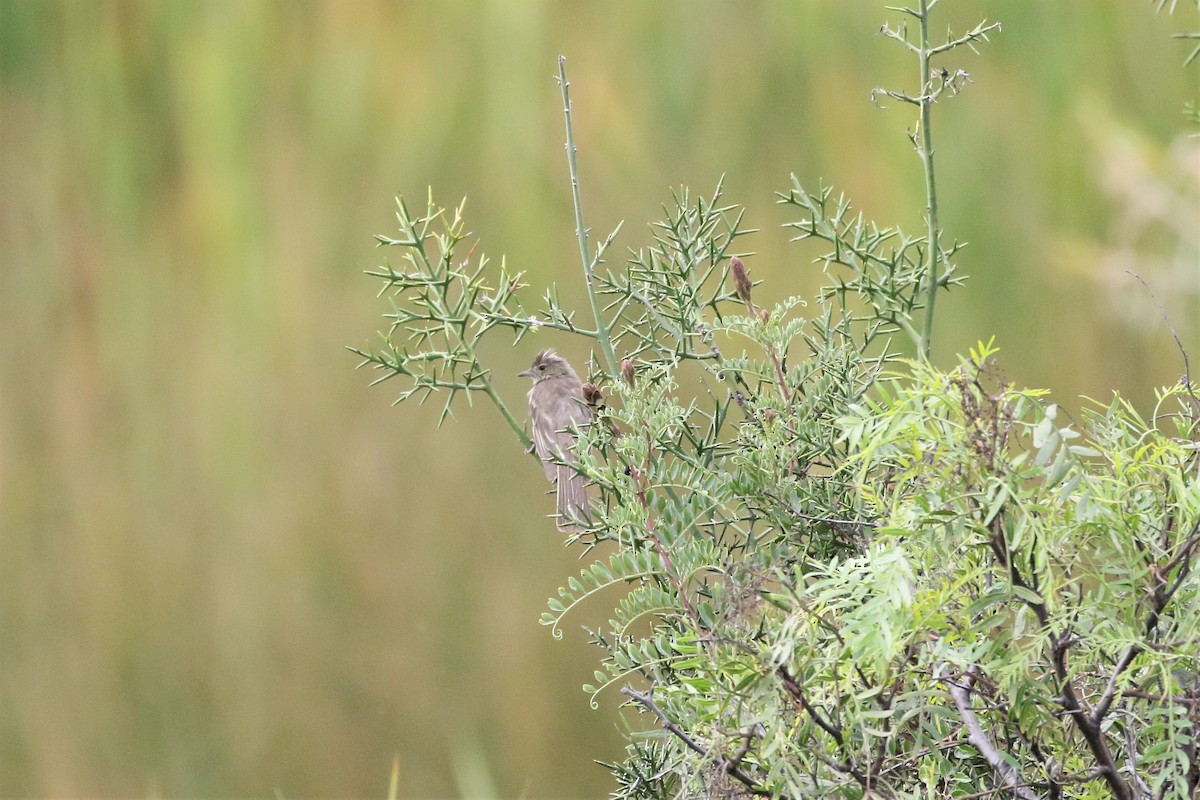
point(548, 364)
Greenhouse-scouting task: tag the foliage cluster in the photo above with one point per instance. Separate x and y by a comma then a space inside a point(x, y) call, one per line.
point(844, 573)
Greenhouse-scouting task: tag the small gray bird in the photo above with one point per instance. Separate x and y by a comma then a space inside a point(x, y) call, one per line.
point(555, 403)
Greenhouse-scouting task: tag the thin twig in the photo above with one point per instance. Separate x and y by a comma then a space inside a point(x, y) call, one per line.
point(1060, 643)
point(1187, 369)
point(1110, 691)
point(797, 692)
point(729, 766)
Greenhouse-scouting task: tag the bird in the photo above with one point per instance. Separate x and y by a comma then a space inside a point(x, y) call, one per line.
point(556, 402)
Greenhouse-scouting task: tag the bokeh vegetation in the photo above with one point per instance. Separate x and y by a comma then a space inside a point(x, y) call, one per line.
point(216, 575)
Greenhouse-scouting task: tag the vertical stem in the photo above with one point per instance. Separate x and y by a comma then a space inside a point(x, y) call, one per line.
point(933, 233)
point(602, 333)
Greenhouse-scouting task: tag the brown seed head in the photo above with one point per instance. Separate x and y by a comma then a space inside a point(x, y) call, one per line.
point(627, 371)
point(741, 281)
point(591, 394)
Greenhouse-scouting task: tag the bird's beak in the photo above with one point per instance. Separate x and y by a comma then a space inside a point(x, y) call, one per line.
point(526, 374)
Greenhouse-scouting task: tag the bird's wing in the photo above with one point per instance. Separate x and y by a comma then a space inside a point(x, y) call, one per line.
point(572, 487)
point(575, 414)
point(545, 442)
point(559, 409)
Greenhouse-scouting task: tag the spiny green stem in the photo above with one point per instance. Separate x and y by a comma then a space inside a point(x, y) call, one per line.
point(602, 331)
point(468, 349)
point(933, 233)
point(437, 274)
point(508, 417)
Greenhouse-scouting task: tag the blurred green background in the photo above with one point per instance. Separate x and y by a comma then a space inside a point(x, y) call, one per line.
point(227, 567)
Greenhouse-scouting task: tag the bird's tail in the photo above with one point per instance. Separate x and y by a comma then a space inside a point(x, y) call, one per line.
point(572, 498)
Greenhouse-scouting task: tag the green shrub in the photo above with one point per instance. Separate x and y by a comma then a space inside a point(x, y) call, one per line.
point(845, 573)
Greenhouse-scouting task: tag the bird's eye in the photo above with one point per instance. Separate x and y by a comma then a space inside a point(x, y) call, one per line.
point(541, 366)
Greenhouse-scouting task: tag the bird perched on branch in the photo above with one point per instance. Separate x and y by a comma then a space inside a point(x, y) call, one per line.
point(556, 402)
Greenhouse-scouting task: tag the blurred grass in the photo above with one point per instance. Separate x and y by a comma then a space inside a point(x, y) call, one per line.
point(227, 567)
